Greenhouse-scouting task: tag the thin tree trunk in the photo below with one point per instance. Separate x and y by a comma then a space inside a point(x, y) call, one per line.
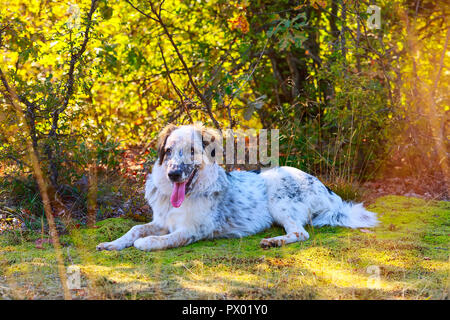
point(343, 43)
point(92, 196)
point(15, 101)
point(437, 125)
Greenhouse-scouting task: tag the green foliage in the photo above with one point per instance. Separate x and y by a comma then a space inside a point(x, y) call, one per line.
point(105, 153)
point(25, 193)
point(290, 32)
point(107, 230)
point(342, 138)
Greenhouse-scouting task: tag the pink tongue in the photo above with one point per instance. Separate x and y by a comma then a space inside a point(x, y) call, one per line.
point(178, 194)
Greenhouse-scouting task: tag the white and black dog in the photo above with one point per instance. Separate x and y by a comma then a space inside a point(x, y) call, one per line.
point(198, 199)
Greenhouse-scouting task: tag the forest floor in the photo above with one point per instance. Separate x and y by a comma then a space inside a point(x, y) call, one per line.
point(405, 257)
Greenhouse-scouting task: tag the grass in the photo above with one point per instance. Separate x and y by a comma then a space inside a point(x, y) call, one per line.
point(406, 257)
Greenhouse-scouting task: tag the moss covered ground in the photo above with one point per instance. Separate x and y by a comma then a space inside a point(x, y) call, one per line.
point(406, 257)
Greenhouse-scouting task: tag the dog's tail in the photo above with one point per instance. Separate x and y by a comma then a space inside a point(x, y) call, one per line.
point(351, 215)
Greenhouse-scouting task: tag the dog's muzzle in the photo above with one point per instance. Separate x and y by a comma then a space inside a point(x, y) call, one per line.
point(180, 186)
point(175, 175)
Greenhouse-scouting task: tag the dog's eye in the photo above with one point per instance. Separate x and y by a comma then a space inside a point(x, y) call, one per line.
point(192, 151)
point(168, 151)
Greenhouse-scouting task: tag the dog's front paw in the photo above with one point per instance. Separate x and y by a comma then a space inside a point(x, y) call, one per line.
point(271, 242)
point(142, 244)
point(109, 246)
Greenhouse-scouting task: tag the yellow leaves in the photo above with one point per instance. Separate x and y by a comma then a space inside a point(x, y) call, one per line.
point(239, 21)
point(318, 3)
point(10, 57)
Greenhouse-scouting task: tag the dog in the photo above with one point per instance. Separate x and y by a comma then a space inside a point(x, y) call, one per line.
point(194, 198)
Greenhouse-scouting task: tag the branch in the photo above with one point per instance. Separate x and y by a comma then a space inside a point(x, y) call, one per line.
point(178, 91)
point(6, 94)
point(157, 13)
point(151, 77)
point(140, 11)
point(18, 161)
point(69, 93)
point(75, 57)
point(233, 95)
point(222, 60)
point(71, 74)
point(191, 79)
point(31, 106)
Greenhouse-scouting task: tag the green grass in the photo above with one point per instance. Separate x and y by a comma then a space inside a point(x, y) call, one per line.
point(409, 251)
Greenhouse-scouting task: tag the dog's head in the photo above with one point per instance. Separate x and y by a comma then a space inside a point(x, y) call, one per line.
point(183, 153)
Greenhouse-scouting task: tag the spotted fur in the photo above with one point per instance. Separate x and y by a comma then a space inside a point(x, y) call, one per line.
point(221, 204)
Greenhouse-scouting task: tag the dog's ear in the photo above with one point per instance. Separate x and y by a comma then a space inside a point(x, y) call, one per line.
point(162, 138)
point(211, 141)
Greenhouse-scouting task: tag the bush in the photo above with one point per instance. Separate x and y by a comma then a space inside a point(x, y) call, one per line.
point(343, 139)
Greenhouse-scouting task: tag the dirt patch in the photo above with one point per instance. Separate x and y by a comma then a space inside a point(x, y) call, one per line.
point(426, 187)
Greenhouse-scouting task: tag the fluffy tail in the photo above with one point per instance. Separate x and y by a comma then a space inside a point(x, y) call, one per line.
point(349, 215)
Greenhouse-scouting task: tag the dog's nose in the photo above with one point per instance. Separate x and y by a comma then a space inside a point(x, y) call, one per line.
point(175, 175)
